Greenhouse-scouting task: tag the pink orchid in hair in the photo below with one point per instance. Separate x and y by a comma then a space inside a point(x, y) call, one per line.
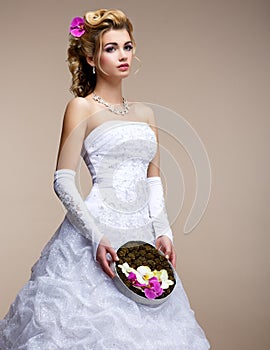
point(77, 27)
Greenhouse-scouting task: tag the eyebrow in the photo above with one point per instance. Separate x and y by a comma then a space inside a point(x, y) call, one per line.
point(115, 44)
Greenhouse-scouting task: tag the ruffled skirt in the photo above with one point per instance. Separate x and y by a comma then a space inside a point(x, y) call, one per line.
point(69, 303)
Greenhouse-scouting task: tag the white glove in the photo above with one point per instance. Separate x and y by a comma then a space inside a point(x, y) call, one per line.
point(157, 209)
point(77, 212)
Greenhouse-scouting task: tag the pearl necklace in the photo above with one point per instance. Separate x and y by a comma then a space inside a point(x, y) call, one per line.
point(112, 108)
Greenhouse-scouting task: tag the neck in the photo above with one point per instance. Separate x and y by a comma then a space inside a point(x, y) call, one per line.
point(110, 91)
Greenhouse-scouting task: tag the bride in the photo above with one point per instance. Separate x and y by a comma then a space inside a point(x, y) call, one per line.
point(70, 301)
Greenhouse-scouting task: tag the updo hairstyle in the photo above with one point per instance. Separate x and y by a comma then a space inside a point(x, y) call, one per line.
point(96, 23)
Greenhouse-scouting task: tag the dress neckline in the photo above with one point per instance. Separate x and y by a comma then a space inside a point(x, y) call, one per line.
point(100, 126)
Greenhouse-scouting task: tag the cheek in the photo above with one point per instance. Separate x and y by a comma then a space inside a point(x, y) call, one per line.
point(106, 60)
point(131, 55)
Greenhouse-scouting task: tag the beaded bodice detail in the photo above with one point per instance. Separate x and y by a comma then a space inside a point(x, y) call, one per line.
point(117, 154)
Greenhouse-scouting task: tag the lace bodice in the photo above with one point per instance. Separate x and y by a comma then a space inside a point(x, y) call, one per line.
point(116, 148)
point(117, 154)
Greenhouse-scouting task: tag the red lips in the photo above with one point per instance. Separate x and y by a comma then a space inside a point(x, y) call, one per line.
point(124, 65)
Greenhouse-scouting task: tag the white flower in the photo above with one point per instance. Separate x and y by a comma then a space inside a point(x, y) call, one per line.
point(126, 269)
point(163, 275)
point(143, 274)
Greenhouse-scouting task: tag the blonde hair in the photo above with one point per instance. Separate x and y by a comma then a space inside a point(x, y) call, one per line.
point(96, 23)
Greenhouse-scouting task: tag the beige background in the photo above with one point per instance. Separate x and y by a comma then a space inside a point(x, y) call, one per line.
point(207, 60)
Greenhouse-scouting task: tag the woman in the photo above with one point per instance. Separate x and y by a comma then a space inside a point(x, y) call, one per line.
point(70, 301)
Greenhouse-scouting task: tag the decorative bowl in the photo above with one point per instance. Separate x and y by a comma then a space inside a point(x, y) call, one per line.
point(138, 254)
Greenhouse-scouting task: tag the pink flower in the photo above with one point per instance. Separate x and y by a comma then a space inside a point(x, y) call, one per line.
point(133, 278)
point(150, 293)
point(77, 27)
point(154, 289)
point(138, 284)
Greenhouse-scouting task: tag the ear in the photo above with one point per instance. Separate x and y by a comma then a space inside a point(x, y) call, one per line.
point(90, 60)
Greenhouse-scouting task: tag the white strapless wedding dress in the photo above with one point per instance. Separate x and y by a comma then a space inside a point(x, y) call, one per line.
point(69, 303)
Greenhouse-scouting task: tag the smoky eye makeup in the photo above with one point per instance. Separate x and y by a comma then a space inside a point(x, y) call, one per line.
point(110, 47)
point(129, 47)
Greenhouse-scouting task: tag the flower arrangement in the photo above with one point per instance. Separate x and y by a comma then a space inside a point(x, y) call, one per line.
point(152, 283)
point(145, 271)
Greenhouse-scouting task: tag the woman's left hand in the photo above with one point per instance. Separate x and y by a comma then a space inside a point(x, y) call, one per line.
point(164, 244)
point(105, 248)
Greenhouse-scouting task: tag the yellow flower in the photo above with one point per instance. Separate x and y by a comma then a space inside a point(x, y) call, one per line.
point(157, 274)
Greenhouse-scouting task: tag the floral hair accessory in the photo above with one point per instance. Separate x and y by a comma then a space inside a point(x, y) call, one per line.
point(77, 27)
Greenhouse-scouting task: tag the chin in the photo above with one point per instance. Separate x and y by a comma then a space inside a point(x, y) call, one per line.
point(125, 74)
point(122, 75)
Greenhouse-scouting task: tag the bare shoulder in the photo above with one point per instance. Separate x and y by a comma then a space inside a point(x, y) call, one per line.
point(77, 110)
point(76, 115)
point(145, 112)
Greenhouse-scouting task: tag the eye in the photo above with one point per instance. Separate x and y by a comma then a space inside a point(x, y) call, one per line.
point(129, 47)
point(110, 49)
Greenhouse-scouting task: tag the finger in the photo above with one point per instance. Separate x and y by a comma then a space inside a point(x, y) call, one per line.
point(173, 258)
point(161, 247)
point(106, 267)
point(164, 252)
point(168, 252)
point(113, 253)
point(158, 245)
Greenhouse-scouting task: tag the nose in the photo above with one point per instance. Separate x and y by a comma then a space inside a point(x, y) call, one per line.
point(122, 55)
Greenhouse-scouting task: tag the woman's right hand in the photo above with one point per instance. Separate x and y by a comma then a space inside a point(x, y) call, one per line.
point(105, 248)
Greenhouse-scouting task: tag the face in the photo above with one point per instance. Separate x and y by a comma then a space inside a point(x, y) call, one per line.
point(116, 53)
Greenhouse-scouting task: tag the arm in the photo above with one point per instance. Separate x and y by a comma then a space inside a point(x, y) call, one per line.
point(73, 133)
point(156, 204)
